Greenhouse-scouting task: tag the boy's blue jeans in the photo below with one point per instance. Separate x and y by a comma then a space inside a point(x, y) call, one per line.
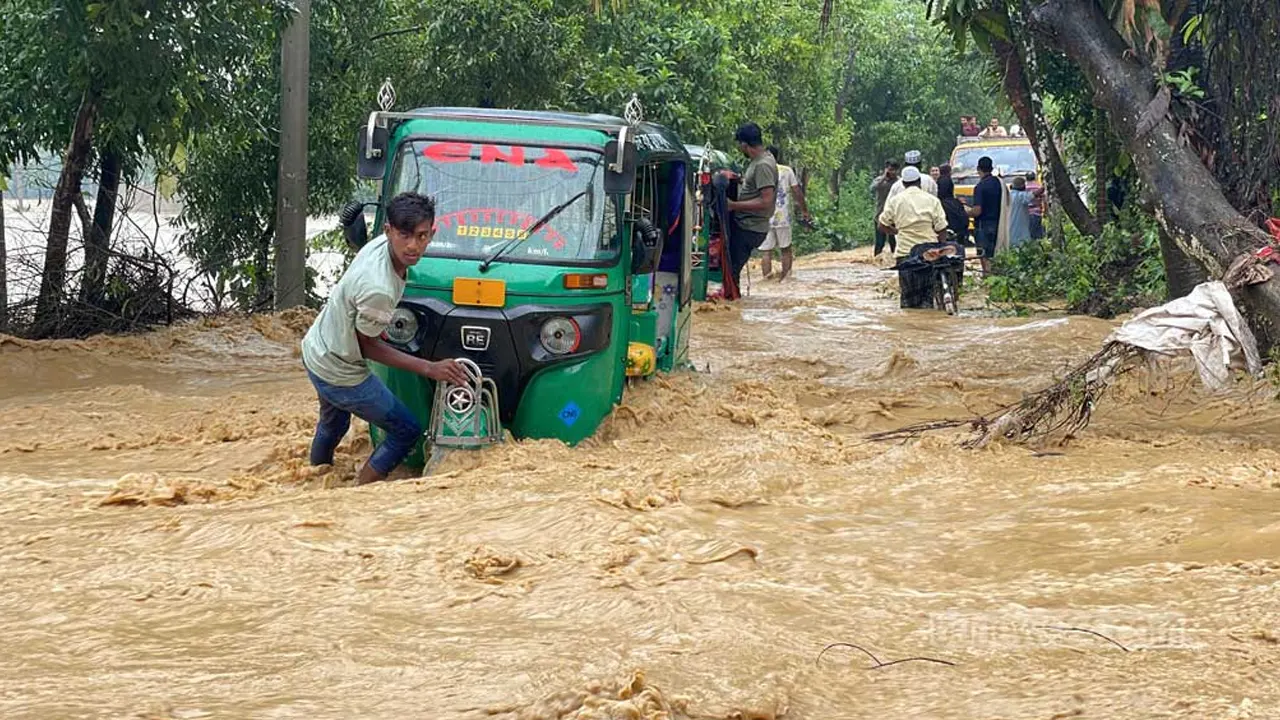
point(372, 402)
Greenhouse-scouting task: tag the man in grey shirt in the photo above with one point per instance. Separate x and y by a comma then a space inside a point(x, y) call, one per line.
point(347, 333)
point(756, 201)
point(880, 187)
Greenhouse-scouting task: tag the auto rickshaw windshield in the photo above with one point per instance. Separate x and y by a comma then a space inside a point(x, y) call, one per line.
point(488, 195)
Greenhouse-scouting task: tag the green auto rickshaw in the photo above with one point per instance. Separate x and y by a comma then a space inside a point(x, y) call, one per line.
point(561, 264)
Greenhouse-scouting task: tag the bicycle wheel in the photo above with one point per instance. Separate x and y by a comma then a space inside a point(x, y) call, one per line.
point(947, 294)
point(939, 291)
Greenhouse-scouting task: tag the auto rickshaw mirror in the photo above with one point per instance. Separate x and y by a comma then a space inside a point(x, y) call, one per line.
point(354, 228)
point(619, 177)
point(371, 165)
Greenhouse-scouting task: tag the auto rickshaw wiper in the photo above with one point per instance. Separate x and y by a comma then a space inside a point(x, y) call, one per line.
point(511, 244)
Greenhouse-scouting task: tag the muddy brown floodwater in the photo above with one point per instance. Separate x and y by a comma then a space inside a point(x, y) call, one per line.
point(166, 553)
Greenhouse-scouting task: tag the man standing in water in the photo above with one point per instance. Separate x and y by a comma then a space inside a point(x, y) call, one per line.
point(347, 333)
point(880, 187)
point(779, 237)
point(1021, 204)
point(915, 217)
point(757, 191)
point(988, 195)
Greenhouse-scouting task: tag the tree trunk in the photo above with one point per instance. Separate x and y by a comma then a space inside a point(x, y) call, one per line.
point(1190, 205)
point(1101, 167)
point(264, 296)
point(98, 242)
point(4, 273)
point(1016, 58)
point(842, 101)
point(1181, 275)
point(54, 277)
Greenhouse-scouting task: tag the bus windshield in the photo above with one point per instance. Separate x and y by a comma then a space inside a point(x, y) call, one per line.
point(1007, 160)
point(487, 195)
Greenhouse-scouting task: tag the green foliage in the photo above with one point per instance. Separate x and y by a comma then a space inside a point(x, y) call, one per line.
point(840, 225)
point(227, 174)
point(1184, 83)
point(1111, 274)
point(482, 53)
point(154, 71)
point(1272, 369)
point(912, 87)
point(200, 91)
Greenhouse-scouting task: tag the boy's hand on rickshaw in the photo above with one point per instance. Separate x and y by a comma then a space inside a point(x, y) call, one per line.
point(447, 371)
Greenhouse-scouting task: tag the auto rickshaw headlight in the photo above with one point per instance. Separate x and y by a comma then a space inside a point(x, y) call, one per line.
point(403, 327)
point(560, 335)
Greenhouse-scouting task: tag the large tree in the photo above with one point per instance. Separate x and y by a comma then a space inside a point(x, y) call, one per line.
point(1191, 206)
point(1120, 49)
point(133, 76)
point(999, 27)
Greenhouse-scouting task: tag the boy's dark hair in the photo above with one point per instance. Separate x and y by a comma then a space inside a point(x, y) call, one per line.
point(408, 210)
point(985, 164)
point(893, 164)
point(775, 152)
point(750, 134)
point(944, 170)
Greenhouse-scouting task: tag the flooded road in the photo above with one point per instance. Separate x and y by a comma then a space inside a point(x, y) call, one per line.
point(166, 553)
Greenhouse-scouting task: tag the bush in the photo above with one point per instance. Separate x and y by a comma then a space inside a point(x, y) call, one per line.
point(1103, 276)
point(838, 226)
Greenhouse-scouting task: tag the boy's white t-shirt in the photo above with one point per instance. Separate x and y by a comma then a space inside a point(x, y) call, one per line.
point(362, 301)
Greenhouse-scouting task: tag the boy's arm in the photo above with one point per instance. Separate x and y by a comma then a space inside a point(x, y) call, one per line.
point(374, 310)
point(379, 351)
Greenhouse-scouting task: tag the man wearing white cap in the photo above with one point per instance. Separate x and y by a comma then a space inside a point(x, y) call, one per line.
point(927, 183)
point(913, 217)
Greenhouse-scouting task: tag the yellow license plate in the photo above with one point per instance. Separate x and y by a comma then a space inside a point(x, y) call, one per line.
point(480, 293)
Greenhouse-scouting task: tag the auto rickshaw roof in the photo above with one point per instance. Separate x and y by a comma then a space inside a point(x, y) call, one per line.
point(718, 159)
point(654, 142)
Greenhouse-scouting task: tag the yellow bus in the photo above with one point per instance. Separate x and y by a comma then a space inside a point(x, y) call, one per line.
point(1010, 156)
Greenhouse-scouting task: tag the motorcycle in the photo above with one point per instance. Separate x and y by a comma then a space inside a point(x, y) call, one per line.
point(932, 275)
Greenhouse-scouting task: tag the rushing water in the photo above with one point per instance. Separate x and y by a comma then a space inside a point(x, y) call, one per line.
point(166, 553)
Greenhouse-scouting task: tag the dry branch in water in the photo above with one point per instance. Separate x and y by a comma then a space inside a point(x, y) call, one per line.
point(878, 663)
point(1087, 631)
point(1065, 407)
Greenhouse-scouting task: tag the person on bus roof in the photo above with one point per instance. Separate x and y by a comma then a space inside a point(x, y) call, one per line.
point(994, 130)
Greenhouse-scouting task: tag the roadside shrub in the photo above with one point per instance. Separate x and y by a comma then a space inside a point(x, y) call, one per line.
point(1103, 276)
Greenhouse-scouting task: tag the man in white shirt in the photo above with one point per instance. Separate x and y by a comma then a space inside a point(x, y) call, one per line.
point(779, 237)
point(913, 217)
point(927, 183)
point(347, 333)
